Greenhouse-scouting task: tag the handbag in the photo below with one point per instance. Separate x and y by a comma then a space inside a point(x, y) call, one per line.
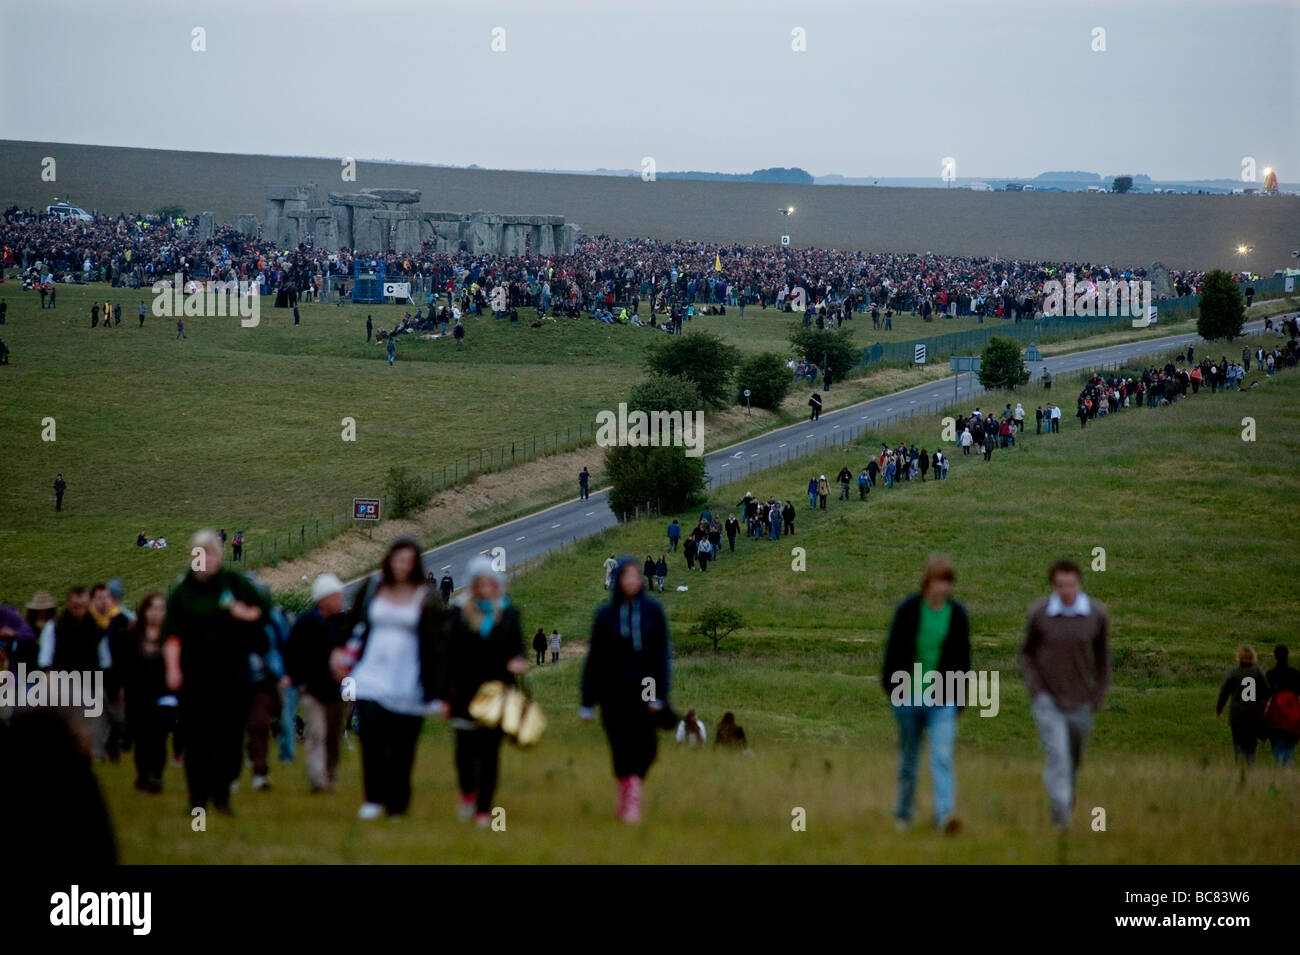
point(509, 708)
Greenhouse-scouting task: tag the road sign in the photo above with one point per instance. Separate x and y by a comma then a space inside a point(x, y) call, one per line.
point(920, 355)
point(365, 509)
point(960, 363)
point(785, 240)
point(1031, 353)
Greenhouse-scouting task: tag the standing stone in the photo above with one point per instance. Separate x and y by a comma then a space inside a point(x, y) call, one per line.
point(1161, 286)
point(204, 225)
point(369, 234)
point(406, 236)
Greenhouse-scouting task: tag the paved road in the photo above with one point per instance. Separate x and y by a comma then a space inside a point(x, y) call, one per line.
point(543, 531)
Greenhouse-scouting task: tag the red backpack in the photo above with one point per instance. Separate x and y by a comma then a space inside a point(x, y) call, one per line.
point(1284, 712)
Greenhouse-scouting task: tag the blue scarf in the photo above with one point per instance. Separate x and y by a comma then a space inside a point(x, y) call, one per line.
point(490, 608)
point(629, 622)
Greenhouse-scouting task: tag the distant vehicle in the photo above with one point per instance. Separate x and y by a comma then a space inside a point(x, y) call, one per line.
point(1096, 189)
point(65, 211)
point(980, 187)
point(1013, 187)
point(1027, 188)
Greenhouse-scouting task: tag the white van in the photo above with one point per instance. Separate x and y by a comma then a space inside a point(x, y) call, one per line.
point(65, 211)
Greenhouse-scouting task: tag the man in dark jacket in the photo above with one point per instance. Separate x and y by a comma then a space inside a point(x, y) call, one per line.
point(445, 586)
point(214, 621)
point(732, 527)
point(315, 636)
point(927, 657)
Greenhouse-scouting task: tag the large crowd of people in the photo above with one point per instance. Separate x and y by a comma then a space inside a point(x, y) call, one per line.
point(606, 277)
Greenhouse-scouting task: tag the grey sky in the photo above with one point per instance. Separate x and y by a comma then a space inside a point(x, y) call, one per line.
point(1184, 89)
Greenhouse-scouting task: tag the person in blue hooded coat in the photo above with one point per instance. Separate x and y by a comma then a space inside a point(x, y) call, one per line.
point(627, 675)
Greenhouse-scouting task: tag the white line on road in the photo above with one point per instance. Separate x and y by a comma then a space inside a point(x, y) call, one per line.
point(588, 514)
point(444, 567)
point(780, 445)
point(520, 538)
point(555, 525)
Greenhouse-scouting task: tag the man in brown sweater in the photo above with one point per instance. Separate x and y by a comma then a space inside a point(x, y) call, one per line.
point(1066, 661)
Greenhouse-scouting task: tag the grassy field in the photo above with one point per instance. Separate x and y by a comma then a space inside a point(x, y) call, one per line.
point(242, 428)
point(1195, 523)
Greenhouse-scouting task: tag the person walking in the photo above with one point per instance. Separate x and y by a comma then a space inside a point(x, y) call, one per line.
point(392, 348)
point(626, 674)
point(812, 492)
point(661, 571)
point(397, 627)
point(704, 551)
point(312, 641)
point(1245, 690)
point(60, 487)
point(370, 326)
point(732, 527)
point(150, 706)
point(1065, 657)
point(140, 312)
point(584, 477)
point(485, 643)
point(845, 477)
point(990, 442)
point(539, 646)
point(458, 333)
point(1038, 420)
point(966, 441)
point(180, 327)
point(610, 564)
point(1283, 713)
point(823, 492)
point(445, 587)
point(237, 547)
point(554, 640)
point(214, 622)
point(674, 535)
point(815, 403)
point(929, 640)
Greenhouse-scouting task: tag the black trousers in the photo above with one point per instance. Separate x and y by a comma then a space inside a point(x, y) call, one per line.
point(478, 756)
point(632, 742)
point(541, 657)
point(387, 755)
point(149, 726)
point(214, 742)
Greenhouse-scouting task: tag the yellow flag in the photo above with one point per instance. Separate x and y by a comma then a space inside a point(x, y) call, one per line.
point(717, 262)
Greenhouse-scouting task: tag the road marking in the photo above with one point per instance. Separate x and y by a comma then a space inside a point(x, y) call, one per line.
point(445, 567)
point(588, 514)
point(835, 428)
point(780, 445)
point(519, 538)
point(913, 401)
point(739, 454)
point(754, 455)
point(727, 464)
point(864, 418)
point(555, 525)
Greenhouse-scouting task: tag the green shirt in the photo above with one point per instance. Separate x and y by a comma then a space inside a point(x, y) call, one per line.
point(930, 637)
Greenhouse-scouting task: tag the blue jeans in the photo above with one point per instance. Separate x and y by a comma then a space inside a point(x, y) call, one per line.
point(912, 724)
point(776, 531)
point(812, 499)
point(288, 724)
point(1284, 752)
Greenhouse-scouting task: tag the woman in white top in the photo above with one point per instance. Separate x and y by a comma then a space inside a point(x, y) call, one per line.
point(396, 628)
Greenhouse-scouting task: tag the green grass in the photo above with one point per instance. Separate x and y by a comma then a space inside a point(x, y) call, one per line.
point(241, 427)
point(1195, 523)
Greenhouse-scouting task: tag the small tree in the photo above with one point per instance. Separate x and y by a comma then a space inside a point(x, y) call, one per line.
point(767, 378)
point(834, 347)
point(1001, 365)
point(1222, 309)
point(716, 623)
point(702, 357)
point(404, 491)
point(665, 476)
point(1122, 184)
point(170, 212)
point(665, 393)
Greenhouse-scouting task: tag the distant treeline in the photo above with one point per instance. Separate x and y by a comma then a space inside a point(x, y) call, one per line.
point(775, 174)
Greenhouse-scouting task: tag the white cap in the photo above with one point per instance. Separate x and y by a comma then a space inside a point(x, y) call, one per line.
point(325, 585)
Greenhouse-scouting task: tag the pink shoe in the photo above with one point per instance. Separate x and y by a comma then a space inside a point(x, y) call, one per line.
point(465, 808)
point(631, 812)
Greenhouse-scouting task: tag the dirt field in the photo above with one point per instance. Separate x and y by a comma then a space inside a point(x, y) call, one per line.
point(1180, 231)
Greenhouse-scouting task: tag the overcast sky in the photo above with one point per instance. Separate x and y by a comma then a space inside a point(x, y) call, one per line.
point(1184, 89)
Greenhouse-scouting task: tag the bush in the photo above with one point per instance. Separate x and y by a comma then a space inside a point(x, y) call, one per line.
point(703, 358)
point(664, 477)
point(404, 492)
point(665, 393)
point(1002, 366)
point(822, 347)
point(1222, 309)
point(170, 212)
point(767, 378)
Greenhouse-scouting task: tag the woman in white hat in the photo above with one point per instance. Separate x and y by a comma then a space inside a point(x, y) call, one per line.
point(484, 642)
